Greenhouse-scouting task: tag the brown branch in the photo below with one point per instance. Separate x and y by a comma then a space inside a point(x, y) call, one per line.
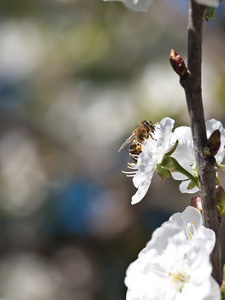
point(191, 82)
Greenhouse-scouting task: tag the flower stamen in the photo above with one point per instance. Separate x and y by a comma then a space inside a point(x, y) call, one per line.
point(189, 230)
point(179, 279)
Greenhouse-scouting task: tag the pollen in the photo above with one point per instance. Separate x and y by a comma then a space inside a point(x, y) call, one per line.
point(138, 147)
point(179, 279)
point(189, 229)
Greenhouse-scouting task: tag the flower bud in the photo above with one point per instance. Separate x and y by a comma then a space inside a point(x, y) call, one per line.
point(197, 203)
point(178, 64)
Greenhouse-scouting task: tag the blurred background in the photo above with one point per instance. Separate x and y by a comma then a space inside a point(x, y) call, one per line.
point(75, 78)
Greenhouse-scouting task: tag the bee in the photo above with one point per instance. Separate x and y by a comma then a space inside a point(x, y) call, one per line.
point(134, 150)
point(141, 132)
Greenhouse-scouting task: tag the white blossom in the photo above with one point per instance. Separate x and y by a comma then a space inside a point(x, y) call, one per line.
point(184, 153)
point(173, 266)
point(136, 5)
point(153, 150)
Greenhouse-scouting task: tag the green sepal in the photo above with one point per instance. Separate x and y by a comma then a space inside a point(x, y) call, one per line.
point(209, 13)
point(172, 149)
point(163, 173)
point(191, 185)
point(172, 165)
point(195, 171)
point(168, 163)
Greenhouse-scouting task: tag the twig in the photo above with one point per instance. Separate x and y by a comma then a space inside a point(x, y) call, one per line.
point(191, 82)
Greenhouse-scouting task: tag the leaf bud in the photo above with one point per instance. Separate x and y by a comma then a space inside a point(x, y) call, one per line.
point(196, 202)
point(178, 64)
point(220, 199)
point(213, 145)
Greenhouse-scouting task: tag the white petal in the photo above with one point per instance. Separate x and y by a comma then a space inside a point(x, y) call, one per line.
point(146, 168)
point(142, 190)
point(164, 234)
point(210, 3)
point(209, 236)
point(183, 135)
point(184, 187)
point(184, 152)
point(185, 157)
point(179, 176)
point(136, 5)
point(214, 293)
point(190, 214)
point(164, 135)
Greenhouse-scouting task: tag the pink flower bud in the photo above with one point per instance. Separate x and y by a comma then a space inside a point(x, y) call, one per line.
point(177, 63)
point(197, 203)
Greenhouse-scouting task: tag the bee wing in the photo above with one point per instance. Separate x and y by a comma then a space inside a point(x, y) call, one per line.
point(127, 142)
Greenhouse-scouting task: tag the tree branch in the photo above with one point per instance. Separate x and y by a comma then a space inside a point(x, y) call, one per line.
point(191, 82)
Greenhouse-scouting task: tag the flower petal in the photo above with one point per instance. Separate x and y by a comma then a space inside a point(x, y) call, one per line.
point(183, 135)
point(142, 190)
point(164, 135)
point(184, 187)
point(136, 5)
point(214, 290)
point(190, 214)
point(209, 236)
point(210, 3)
point(145, 166)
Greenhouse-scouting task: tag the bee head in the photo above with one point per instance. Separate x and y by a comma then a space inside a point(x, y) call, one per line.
point(149, 125)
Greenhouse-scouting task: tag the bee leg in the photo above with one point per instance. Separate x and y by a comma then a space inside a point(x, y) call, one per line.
point(152, 137)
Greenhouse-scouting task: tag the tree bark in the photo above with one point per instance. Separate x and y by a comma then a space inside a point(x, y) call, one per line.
point(206, 167)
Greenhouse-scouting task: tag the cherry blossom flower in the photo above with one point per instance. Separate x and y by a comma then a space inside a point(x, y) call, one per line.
point(174, 265)
point(150, 157)
point(184, 153)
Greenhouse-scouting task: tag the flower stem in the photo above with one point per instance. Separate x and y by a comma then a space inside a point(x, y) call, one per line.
point(185, 172)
